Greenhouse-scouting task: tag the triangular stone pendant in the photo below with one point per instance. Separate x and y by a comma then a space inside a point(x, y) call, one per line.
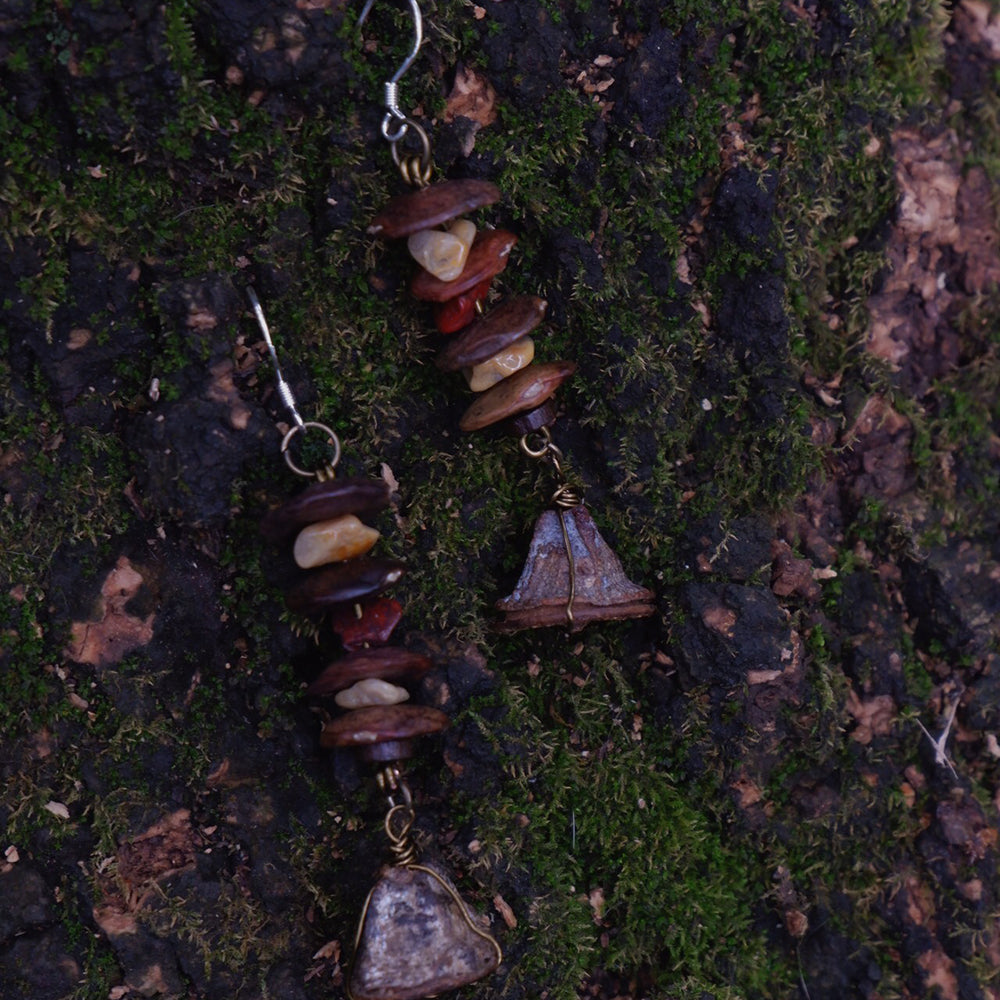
point(567, 551)
point(418, 939)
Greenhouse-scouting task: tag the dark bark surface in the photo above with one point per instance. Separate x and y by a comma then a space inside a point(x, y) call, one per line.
point(767, 238)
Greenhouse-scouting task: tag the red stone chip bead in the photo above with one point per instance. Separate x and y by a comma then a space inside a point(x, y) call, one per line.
point(370, 623)
point(459, 312)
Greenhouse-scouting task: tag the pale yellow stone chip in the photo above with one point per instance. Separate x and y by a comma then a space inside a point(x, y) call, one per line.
point(464, 230)
point(442, 254)
point(333, 541)
point(371, 691)
point(496, 368)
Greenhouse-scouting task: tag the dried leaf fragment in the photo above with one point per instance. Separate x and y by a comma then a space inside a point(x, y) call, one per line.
point(874, 717)
point(115, 633)
point(473, 97)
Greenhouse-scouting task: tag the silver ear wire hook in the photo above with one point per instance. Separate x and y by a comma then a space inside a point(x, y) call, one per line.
point(285, 392)
point(393, 112)
point(284, 389)
point(418, 38)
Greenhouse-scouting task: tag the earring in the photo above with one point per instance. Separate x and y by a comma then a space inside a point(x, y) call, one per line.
point(571, 576)
point(416, 936)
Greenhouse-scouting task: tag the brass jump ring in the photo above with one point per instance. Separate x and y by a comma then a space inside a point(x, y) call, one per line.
point(541, 450)
point(420, 177)
point(306, 425)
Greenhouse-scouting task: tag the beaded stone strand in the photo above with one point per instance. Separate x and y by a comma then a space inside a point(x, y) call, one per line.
point(571, 576)
point(416, 936)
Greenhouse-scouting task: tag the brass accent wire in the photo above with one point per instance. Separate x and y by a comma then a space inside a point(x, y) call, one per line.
point(403, 849)
point(565, 498)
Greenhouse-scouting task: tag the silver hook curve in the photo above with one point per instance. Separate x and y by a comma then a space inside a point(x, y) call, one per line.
point(418, 39)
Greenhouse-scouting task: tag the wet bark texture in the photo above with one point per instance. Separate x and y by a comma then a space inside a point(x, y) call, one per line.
point(786, 781)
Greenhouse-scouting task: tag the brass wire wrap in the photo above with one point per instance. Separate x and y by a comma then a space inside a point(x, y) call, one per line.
point(398, 822)
point(566, 497)
point(414, 172)
point(400, 817)
point(572, 568)
point(415, 169)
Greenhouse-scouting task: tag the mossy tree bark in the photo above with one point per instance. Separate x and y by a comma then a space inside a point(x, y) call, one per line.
point(766, 236)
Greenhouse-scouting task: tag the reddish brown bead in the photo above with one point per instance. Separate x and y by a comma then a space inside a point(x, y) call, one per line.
point(323, 501)
point(372, 627)
point(382, 724)
point(431, 206)
point(511, 320)
point(459, 312)
point(487, 258)
point(389, 663)
point(534, 420)
point(349, 581)
point(524, 390)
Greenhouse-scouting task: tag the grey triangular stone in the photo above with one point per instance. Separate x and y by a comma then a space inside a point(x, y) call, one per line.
point(417, 941)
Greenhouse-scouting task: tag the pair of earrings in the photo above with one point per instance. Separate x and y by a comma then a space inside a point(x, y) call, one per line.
point(416, 937)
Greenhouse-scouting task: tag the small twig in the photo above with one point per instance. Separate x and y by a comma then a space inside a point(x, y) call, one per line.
point(940, 748)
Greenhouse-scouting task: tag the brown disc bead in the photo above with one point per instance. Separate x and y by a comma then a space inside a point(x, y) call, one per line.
point(370, 623)
point(524, 390)
point(382, 724)
point(388, 663)
point(431, 206)
point(488, 257)
point(534, 420)
point(511, 320)
point(347, 581)
point(323, 501)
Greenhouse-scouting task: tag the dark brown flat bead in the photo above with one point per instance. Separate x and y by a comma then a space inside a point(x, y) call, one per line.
point(348, 581)
point(323, 501)
point(524, 390)
point(372, 627)
point(534, 420)
point(431, 206)
point(382, 724)
point(388, 663)
point(511, 320)
point(488, 257)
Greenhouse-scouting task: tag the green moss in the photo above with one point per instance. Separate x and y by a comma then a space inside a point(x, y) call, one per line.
point(630, 871)
point(213, 187)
